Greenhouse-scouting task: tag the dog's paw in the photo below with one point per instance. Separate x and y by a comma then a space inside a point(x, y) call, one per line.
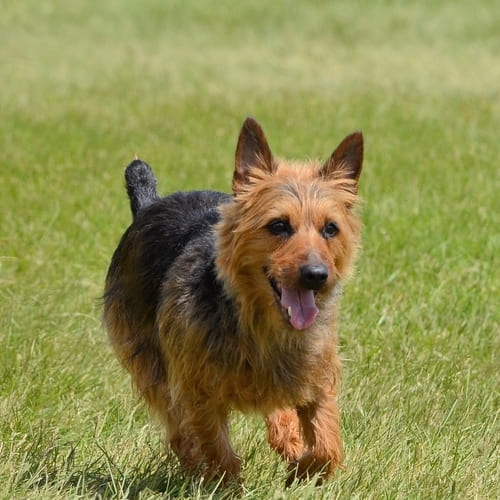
point(309, 467)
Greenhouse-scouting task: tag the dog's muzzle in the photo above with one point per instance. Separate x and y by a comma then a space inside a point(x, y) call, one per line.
point(298, 304)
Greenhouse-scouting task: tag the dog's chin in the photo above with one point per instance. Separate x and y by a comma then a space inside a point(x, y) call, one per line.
point(297, 306)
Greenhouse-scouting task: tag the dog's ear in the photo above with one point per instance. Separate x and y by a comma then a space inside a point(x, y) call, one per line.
point(252, 151)
point(346, 161)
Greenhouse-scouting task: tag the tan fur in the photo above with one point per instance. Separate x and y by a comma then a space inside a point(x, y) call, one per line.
point(264, 366)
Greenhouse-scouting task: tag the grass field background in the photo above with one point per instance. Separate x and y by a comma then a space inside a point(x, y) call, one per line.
point(85, 86)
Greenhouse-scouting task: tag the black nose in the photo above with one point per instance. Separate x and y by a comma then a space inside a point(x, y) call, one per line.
point(313, 276)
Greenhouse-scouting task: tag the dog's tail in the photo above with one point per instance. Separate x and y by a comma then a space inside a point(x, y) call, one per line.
point(141, 185)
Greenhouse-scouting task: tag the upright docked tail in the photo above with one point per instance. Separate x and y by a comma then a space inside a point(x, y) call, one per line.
point(141, 186)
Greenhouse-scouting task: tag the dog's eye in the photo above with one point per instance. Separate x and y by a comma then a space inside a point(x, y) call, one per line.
point(330, 230)
point(280, 227)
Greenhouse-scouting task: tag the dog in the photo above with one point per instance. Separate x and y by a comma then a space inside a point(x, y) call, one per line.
point(217, 302)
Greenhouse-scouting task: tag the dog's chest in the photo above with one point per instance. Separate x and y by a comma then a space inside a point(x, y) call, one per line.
point(286, 381)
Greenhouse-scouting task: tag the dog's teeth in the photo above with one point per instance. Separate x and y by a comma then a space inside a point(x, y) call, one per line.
point(289, 311)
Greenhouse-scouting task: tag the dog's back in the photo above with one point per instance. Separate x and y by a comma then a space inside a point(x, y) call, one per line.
point(159, 233)
point(160, 230)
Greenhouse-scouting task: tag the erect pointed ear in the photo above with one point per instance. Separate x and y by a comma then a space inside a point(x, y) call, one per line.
point(252, 151)
point(346, 161)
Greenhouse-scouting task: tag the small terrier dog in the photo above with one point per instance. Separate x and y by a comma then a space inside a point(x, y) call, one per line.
point(215, 302)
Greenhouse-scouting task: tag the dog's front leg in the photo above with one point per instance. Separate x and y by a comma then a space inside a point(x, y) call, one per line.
point(205, 425)
point(283, 434)
point(320, 423)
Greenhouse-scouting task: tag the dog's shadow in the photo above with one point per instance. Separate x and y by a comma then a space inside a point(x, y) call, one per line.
point(105, 479)
point(165, 481)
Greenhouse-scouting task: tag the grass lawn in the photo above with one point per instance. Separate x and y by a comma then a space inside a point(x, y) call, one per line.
point(87, 85)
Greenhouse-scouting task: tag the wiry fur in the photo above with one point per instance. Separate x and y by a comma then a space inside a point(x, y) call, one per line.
point(192, 304)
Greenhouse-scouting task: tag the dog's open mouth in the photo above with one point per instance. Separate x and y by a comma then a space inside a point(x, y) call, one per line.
point(297, 305)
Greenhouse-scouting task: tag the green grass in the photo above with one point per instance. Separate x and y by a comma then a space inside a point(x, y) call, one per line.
point(86, 85)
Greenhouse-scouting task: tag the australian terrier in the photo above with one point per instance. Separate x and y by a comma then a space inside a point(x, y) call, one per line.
point(215, 302)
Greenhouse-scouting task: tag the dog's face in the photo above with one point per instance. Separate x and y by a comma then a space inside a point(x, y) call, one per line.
point(293, 231)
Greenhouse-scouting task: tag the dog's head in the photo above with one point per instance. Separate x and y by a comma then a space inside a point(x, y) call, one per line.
point(290, 234)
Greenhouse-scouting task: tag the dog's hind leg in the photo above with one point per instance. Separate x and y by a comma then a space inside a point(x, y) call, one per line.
point(283, 434)
point(202, 441)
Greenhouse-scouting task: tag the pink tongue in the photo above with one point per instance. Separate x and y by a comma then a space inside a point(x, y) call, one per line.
point(303, 307)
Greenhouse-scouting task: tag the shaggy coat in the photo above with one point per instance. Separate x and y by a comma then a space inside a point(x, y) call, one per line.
point(216, 302)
